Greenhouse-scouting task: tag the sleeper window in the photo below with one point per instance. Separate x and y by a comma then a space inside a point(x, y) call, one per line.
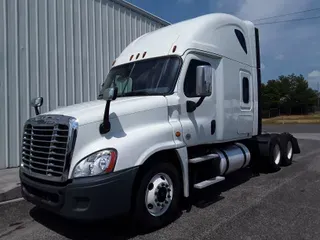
point(241, 40)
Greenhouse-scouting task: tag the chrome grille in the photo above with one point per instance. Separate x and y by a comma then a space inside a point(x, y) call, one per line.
point(47, 147)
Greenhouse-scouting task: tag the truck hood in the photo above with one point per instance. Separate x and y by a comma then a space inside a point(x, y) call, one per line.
point(89, 112)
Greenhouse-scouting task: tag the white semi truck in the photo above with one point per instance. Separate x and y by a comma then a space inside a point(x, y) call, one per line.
point(179, 110)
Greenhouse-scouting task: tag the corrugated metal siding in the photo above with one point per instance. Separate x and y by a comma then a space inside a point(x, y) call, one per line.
point(61, 50)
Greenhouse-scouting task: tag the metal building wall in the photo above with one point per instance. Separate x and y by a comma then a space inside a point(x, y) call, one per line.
point(60, 50)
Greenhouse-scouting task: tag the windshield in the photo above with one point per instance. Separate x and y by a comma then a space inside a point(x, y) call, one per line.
point(150, 77)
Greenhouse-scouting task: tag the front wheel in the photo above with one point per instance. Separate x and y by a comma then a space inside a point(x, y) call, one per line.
point(157, 201)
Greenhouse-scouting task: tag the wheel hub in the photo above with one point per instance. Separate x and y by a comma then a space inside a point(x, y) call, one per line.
point(159, 194)
point(162, 194)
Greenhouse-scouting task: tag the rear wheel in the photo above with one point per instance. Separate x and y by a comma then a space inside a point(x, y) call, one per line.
point(273, 160)
point(287, 151)
point(276, 154)
point(158, 197)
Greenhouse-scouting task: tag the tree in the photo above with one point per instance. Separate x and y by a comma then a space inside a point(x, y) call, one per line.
point(289, 93)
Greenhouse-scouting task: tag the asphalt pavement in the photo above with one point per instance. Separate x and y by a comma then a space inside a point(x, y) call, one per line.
point(293, 128)
point(9, 184)
point(281, 205)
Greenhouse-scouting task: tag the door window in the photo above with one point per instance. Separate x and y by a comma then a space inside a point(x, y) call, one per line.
point(245, 90)
point(246, 97)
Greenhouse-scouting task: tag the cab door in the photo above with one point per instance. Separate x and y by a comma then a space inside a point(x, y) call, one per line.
point(198, 127)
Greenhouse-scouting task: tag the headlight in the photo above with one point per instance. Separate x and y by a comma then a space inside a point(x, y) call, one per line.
point(97, 163)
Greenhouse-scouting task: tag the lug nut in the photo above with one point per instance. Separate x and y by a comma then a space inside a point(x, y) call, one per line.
point(150, 206)
point(158, 204)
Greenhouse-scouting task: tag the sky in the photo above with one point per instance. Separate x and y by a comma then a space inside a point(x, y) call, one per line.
point(286, 48)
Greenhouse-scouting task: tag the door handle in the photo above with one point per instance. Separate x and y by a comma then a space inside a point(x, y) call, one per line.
point(213, 127)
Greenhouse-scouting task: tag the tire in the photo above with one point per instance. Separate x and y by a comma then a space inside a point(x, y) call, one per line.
point(274, 157)
point(287, 150)
point(154, 191)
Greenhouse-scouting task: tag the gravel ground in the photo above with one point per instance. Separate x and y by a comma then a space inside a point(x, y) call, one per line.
point(281, 205)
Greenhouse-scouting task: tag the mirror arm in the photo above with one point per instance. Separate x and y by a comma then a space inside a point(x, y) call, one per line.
point(36, 109)
point(105, 126)
point(192, 106)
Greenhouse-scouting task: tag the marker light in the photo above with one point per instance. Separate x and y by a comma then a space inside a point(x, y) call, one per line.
point(174, 48)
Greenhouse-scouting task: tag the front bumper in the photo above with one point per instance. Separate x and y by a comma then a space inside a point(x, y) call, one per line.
point(90, 198)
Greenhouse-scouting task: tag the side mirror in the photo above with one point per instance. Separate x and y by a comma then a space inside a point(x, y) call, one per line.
point(204, 81)
point(110, 94)
point(37, 103)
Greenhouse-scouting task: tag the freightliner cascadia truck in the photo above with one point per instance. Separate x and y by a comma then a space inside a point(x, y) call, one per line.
point(179, 110)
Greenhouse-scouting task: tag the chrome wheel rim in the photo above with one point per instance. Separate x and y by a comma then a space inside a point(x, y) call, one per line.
point(276, 154)
point(159, 194)
point(289, 150)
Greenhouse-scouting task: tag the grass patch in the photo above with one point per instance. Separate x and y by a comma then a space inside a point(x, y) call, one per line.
point(293, 119)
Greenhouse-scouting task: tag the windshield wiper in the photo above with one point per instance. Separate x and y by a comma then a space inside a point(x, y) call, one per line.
point(140, 93)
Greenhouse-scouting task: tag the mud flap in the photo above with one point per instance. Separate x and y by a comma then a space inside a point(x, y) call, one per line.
point(260, 146)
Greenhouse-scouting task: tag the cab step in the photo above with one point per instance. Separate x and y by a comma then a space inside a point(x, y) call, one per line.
point(208, 182)
point(204, 158)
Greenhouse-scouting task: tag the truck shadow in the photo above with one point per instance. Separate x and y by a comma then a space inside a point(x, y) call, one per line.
point(121, 228)
point(212, 194)
point(115, 229)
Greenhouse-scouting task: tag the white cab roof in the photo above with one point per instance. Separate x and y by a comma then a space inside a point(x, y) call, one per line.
point(212, 33)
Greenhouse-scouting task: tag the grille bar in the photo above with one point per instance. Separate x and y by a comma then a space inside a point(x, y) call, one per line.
point(45, 141)
point(39, 146)
point(47, 146)
point(42, 171)
point(40, 152)
point(38, 159)
point(41, 135)
point(40, 129)
point(25, 160)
